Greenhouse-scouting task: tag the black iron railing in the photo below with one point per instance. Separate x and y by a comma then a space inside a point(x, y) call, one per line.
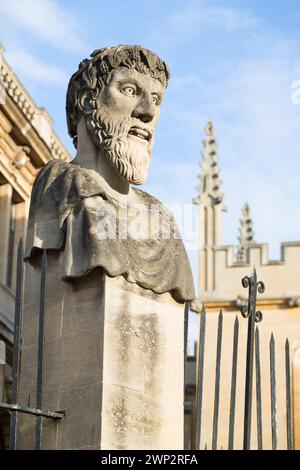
point(252, 357)
point(15, 407)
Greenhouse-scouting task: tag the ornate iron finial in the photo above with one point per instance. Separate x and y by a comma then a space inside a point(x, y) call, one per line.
point(210, 183)
point(246, 234)
point(248, 311)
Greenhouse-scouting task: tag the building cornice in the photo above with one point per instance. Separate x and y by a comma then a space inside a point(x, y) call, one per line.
point(212, 305)
point(36, 116)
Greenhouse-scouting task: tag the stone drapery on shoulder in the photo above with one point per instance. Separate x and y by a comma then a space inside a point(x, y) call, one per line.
point(73, 210)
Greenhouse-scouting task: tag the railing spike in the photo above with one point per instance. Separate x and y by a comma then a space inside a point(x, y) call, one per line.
point(258, 391)
point(253, 316)
point(17, 343)
point(185, 344)
point(289, 429)
point(217, 382)
point(200, 373)
point(273, 393)
point(233, 383)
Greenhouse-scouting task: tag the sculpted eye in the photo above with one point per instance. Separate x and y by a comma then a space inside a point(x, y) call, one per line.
point(155, 99)
point(129, 90)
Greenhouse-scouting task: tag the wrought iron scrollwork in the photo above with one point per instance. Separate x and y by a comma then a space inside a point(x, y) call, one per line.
point(246, 281)
point(260, 287)
point(254, 287)
point(258, 316)
point(244, 311)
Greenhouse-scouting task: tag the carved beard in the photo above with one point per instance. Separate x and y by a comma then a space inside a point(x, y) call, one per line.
point(129, 157)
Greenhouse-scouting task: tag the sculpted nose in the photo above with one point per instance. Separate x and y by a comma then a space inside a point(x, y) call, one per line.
point(144, 110)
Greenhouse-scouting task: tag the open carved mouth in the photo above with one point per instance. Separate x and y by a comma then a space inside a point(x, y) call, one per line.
point(139, 133)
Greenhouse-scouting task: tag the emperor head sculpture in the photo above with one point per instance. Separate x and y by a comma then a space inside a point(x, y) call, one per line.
point(113, 105)
point(115, 99)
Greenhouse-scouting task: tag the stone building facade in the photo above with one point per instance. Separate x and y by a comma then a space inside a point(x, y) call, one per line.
point(27, 143)
point(221, 269)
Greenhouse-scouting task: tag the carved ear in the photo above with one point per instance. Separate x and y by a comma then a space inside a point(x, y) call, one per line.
point(86, 100)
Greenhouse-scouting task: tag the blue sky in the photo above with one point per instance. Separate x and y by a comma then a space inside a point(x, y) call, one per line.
point(232, 61)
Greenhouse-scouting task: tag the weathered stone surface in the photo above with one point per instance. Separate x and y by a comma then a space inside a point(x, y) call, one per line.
point(91, 233)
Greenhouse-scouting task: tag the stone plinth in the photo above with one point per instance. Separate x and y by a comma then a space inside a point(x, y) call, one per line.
point(113, 361)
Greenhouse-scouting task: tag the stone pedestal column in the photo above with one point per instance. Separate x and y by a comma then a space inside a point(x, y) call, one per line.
point(113, 362)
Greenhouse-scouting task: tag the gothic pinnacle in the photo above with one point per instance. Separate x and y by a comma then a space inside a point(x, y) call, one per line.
point(210, 183)
point(246, 234)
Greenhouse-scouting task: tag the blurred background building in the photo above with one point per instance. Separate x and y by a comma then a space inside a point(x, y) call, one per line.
point(221, 269)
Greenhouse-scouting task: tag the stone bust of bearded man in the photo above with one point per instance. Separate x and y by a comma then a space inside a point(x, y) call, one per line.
point(113, 105)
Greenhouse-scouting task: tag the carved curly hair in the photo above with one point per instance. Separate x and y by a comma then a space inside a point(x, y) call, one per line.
point(93, 73)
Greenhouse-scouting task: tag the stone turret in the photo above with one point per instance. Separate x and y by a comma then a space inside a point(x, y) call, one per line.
point(210, 201)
